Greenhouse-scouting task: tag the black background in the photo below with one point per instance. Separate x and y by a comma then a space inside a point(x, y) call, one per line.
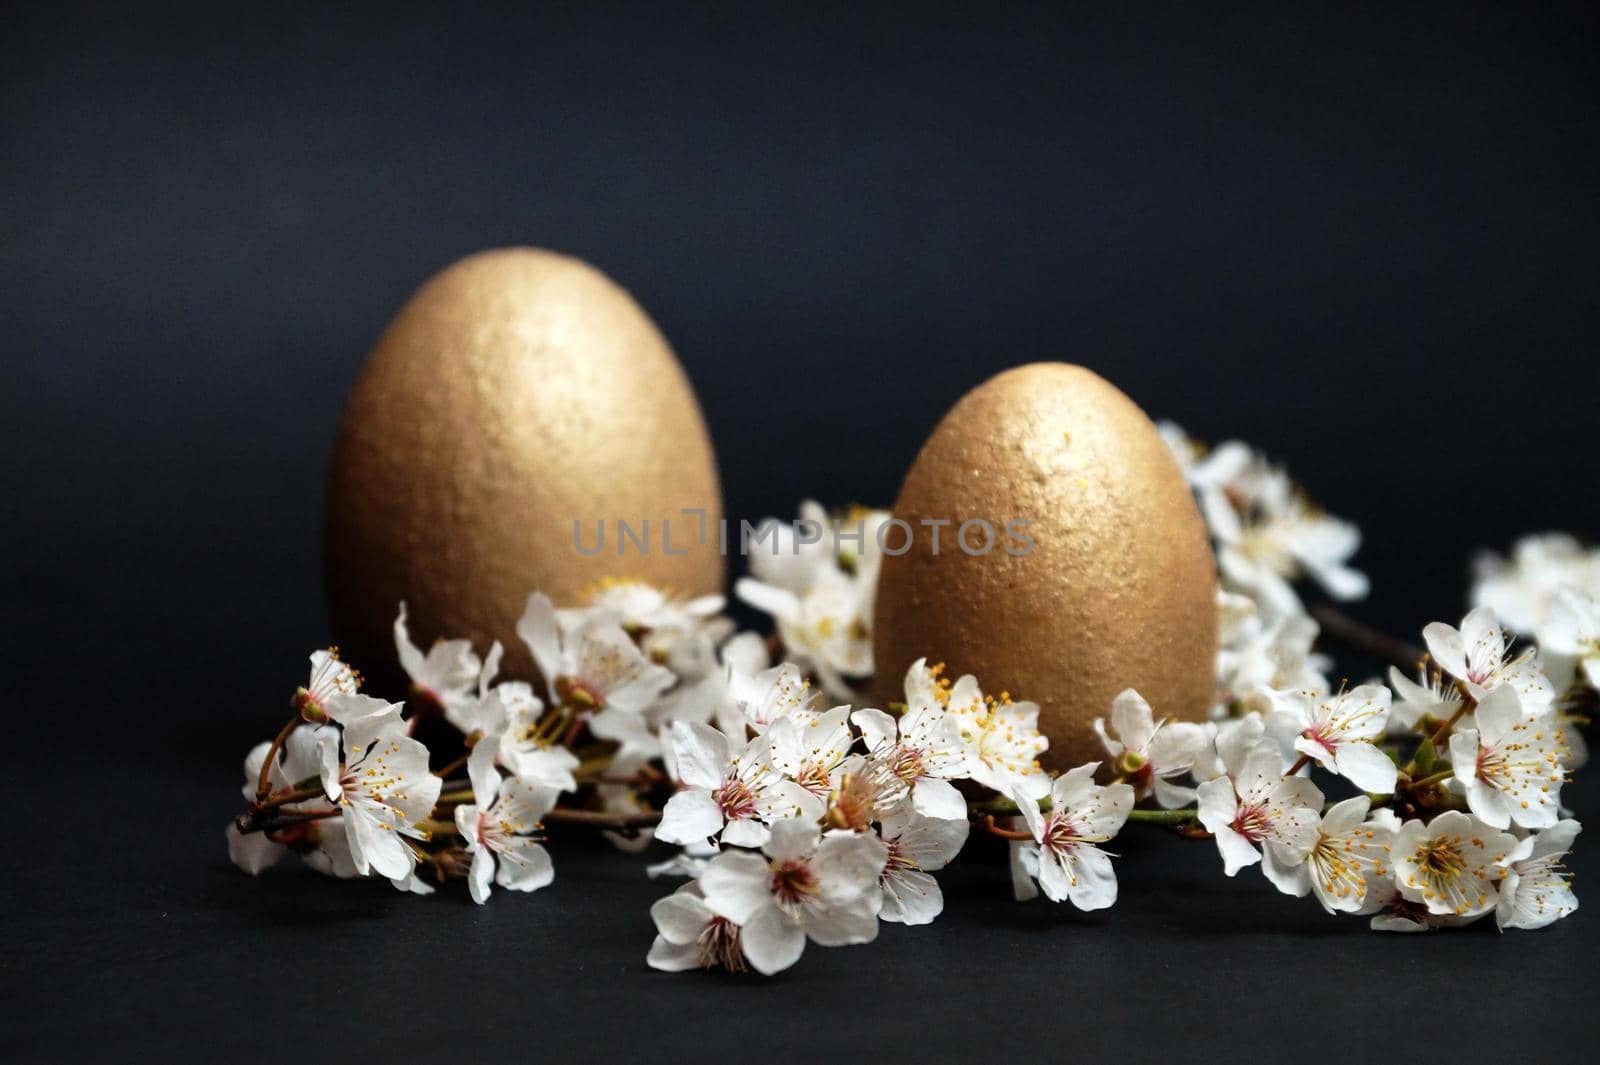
point(1360, 238)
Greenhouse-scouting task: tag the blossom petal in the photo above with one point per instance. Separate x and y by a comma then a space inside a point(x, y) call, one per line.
point(524, 865)
point(847, 864)
point(253, 852)
point(938, 798)
point(878, 729)
point(680, 917)
point(1367, 767)
point(1094, 883)
point(1132, 718)
point(1054, 880)
point(793, 839)
point(481, 771)
point(841, 926)
point(772, 940)
point(671, 957)
point(747, 833)
point(702, 753)
point(736, 884)
point(539, 630)
point(911, 898)
point(481, 875)
point(690, 816)
point(1446, 647)
point(1237, 853)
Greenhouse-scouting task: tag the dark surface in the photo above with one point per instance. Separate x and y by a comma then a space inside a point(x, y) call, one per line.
point(1364, 241)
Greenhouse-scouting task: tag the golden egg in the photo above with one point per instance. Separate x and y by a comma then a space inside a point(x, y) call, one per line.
point(1117, 589)
point(519, 392)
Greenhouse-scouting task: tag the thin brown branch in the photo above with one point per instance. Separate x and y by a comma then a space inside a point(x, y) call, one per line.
point(601, 819)
point(1344, 629)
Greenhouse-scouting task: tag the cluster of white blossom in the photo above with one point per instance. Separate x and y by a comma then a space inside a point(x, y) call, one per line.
point(1549, 589)
point(802, 816)
point(802, 822)
point(1481, 741)
point(1458, 812)
point(616, 672)
point(1266, 535)
point(818, 579)
point(1266, 532)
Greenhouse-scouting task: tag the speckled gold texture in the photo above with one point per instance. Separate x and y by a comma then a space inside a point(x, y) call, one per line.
point(517, 391)
point(1118, 591)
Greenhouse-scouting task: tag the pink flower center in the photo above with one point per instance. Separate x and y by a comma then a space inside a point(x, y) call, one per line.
point(1060, 833)
point(1322, 736)
point(735, 799)
point(1251, 822)
point(905, 763)
point(719, 945)
point(793, 881)
point(814, 778)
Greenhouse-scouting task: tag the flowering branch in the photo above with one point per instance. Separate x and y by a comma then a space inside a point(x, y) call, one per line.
point(1344, 629)
point(804, 819)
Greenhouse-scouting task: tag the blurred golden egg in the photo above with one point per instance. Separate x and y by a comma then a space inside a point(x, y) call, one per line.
point(1118, 587)
point(519, 392)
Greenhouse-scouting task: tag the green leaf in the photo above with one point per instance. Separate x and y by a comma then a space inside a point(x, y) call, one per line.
point(1425, 759)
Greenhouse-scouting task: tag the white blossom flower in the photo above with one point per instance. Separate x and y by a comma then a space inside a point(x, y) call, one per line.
point(1570, 640)
point(501, 828)
point(690, 936)
point(331, 680)
point(781, 691)
point(1238, 618)
point(1216, 474)
point(321, 844)
point(1348, 865)
point(515, 736)
point(918, 847)
point(1065, 857)
point(1338, 732)
point(1428, 696)
point(1537, 888)
point(1022, 859)
point(447, 675)
point(677, 633)
point(1450, 864)
point(1510, 766)
point(1261, 659)
point(1475, 654)
point(920, 754)
point(1150, 754)
point(596, 666)
point(531, 754)
point(1261, 806)
point(1229, 743)
point(864, 795)
point(640, 607)
point(812, 753)
point(828, 628)
point(1522, 589)
point(793, 562)
point(1267, 533)
point(714, 698)
point(805, 887)
point(1266, 551)
point(730, 788)
point(383, 787)
point(1001, 738)
point(480, 710)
